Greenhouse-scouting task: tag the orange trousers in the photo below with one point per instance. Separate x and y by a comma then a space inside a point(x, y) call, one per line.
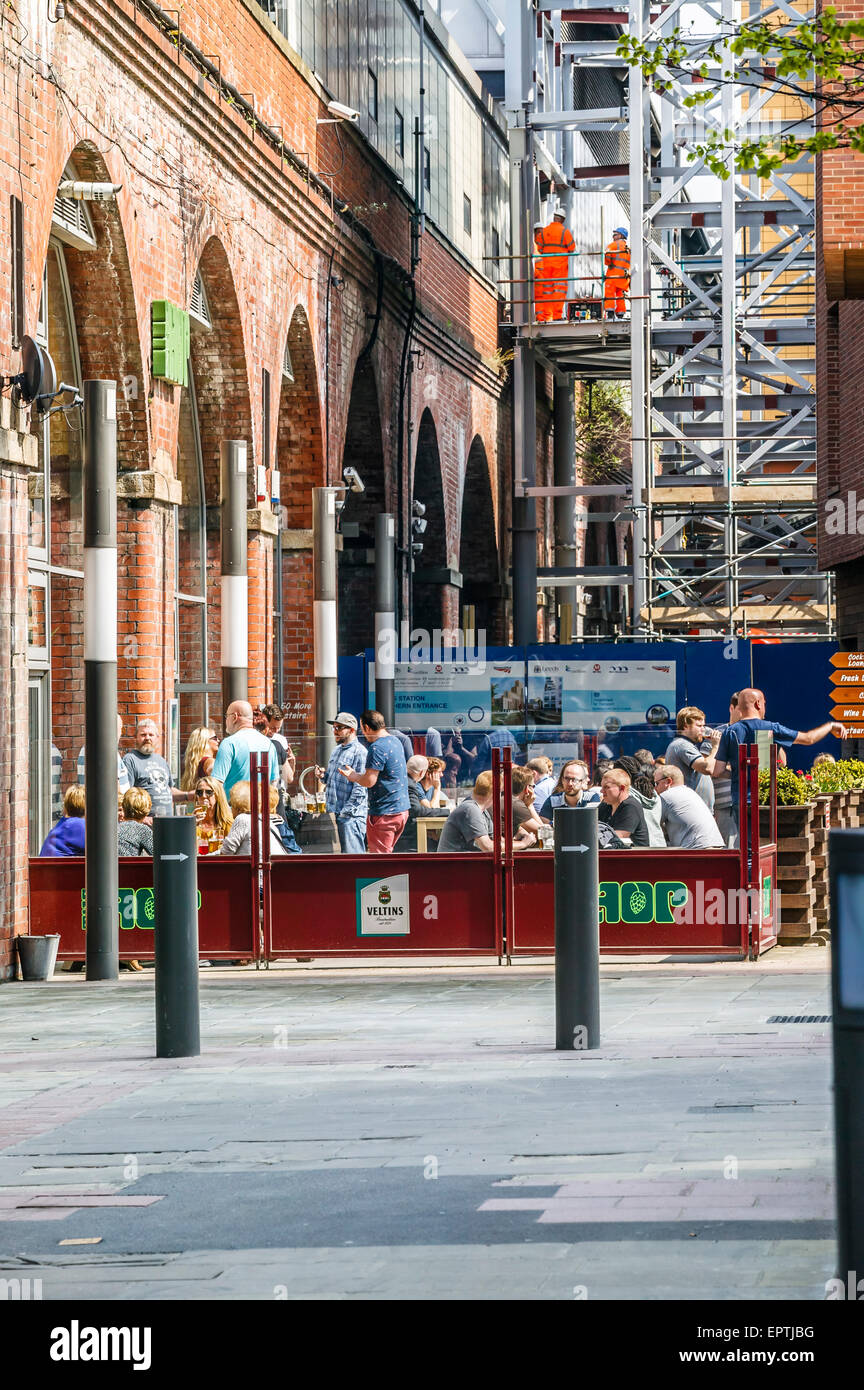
point(550, 293)
point(613, 295)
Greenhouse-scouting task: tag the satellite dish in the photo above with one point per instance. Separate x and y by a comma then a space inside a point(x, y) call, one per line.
point(37, 377)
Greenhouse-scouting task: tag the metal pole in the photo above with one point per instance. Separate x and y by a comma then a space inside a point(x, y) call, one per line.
point(324, 616)
point(175, 892)
point(276, 504)
point(640, 281)
point(100, 678)
point(564, 465)
point(577, 929)
point(385, 617)
point(519, 82)
point(234, 579)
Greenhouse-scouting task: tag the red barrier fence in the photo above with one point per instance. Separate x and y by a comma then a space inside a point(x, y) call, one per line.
point(497, 906)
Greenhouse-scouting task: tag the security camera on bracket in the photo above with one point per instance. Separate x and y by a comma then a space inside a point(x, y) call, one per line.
point(338, 113)
point(353, 481)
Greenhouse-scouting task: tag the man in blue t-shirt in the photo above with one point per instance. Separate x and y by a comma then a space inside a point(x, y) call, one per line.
point(386, 779)
point(232, 758)
point(751, 704)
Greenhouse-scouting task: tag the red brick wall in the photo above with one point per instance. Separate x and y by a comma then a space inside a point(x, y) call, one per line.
point(201, 190)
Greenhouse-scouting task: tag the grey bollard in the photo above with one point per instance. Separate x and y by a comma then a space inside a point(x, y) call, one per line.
point(577, 929)
point(175, 889)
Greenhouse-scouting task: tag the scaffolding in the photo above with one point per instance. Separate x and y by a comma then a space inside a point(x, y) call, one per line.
point(719, 344)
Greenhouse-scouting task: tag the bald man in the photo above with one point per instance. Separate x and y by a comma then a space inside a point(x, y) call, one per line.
point(242, 739)
point(751, 718)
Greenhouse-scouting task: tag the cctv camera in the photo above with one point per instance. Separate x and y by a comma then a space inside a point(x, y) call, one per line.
point(353, 479)
point(344, 113)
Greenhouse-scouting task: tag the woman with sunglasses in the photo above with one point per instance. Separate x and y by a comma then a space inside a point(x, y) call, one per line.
point(212, 817)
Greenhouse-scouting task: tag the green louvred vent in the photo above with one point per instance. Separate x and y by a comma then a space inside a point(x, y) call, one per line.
point(171, 341)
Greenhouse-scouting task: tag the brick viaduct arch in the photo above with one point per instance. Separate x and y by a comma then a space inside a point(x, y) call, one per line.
point(478, 547)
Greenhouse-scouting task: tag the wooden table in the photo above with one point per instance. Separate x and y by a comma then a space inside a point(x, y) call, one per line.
point(424, 825)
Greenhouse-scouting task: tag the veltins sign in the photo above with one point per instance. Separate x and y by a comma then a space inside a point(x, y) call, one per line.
point(382, 906)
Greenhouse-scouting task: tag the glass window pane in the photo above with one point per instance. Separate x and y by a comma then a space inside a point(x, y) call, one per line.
point(190, 513)
point(65, 428)
point(67, 674)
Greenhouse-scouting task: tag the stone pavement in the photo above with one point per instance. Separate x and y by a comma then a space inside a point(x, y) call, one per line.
point(381, 1132)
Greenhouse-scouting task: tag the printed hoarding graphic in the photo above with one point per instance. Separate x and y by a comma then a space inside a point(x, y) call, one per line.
point(382, 906)
point(597, 695)
point(447, 696)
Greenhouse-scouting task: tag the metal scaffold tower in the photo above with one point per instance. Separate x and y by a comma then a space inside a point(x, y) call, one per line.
point(719, 341)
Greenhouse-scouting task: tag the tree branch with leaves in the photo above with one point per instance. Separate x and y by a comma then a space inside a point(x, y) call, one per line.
point(819, 62)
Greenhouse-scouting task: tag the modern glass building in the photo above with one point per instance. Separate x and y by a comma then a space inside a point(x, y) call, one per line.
point(366, 54)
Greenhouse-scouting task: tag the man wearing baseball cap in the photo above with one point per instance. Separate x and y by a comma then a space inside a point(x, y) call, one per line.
point(347, 800)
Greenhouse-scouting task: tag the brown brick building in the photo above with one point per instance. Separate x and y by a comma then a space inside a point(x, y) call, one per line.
point(289, 242)
point(840, 372)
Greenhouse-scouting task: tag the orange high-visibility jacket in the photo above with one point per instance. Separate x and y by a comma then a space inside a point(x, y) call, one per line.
point(617, 262)
point(549, 240)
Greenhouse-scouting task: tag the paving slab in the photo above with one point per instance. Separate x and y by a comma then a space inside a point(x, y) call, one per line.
point(381, 1132)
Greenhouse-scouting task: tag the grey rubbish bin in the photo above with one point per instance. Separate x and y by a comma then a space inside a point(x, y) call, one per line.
point(38, 956)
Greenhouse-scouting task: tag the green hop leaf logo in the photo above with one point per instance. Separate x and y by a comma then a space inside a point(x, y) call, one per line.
point(637, 900)
point(149, 908)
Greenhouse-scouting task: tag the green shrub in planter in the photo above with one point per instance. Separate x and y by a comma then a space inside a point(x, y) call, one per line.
point(843, 776)
point(792, 790)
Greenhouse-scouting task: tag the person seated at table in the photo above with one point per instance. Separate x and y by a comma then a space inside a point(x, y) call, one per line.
point(525, 814)
point(622, 811)
point(238, 841)
point(431, 785)
point(213, 818)
point(470, 826)
point(134, 838)
point(67, 836)
point(686, 819)
point(419, 805)
point(642, 790)
point(571, 789)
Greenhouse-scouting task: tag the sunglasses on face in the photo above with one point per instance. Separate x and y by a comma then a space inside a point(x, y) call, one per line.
point(204, 791)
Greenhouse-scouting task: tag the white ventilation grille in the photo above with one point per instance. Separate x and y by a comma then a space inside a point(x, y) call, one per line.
point(71, 219)
point(199, 308)
point(287, 364)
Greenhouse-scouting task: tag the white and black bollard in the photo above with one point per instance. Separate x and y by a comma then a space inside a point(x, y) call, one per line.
point(846, 896)
point(385, 617)
point(577, 929)
point(324, 616)
point(100, 678)
point(234, 576)
point(175, 894)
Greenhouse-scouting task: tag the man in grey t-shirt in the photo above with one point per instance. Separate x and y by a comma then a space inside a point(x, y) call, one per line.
point(685, 818)
point(147, 769)
point(694, 754)
point(469, 827)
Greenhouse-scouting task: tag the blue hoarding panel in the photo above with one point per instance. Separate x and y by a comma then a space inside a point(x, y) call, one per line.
point(796, 680)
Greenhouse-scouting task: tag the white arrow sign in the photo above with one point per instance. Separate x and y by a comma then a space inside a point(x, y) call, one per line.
point(173, 856)
point(575, 849)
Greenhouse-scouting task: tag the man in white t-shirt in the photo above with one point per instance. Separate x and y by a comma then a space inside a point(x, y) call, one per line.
point(686, 820)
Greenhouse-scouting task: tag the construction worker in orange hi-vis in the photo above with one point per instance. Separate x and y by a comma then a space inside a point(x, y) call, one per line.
point(551, 267)
point(617, 283)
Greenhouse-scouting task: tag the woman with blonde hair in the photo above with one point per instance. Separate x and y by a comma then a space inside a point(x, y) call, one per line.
point(212, 817)
point(201, 749)
point(239, 841)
